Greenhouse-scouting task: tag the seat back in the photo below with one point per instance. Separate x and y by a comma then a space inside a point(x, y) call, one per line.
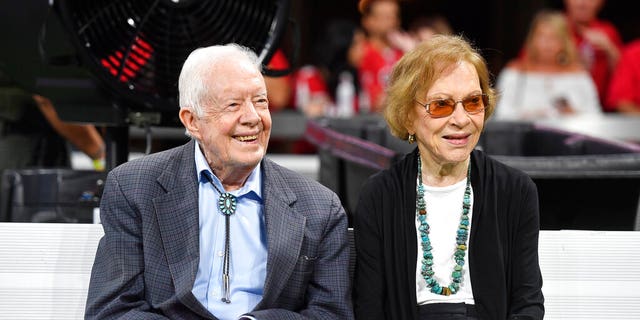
point(50, 195)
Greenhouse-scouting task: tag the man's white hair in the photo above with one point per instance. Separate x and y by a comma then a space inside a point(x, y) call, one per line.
point(194, 78)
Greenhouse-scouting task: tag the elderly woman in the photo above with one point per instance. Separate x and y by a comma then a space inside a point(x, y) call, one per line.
point(446, 232)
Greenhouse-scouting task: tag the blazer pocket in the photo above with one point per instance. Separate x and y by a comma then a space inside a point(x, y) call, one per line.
point(295, 292)
point(305, 264)
point(308, 258)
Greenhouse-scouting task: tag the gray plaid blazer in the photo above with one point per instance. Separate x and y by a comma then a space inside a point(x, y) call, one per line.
point(147, 260)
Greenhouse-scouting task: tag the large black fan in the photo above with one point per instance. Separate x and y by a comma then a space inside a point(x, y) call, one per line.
point(137, 47)
point(101, 61)
point(116, 62)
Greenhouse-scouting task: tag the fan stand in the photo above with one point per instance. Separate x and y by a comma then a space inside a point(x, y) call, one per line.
point(117, 146)
point(117, 136)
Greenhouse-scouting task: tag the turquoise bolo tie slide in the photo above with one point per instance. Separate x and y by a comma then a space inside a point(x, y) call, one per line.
point(227, 204)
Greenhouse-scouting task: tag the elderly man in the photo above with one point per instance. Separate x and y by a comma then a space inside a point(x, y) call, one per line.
point(212, 229)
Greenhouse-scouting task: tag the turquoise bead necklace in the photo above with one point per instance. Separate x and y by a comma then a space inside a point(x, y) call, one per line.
point(461, 238)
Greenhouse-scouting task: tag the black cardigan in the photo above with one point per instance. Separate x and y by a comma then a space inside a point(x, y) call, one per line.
point(503, 245)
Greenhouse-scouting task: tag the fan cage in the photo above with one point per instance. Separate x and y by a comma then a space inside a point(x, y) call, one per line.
point(137, 47)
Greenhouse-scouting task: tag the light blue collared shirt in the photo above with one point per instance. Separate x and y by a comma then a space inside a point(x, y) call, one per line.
point(248, 258)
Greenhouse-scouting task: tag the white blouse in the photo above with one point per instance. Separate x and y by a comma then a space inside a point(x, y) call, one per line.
point(444, 208)
point(535, 95)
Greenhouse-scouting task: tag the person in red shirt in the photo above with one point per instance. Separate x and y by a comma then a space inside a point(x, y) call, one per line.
point(278, 88)
point(624, 89)
point(311, 96)
point(598, 41)
point(380, 18)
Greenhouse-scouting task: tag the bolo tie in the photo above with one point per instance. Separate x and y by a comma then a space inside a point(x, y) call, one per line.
point(227, 205)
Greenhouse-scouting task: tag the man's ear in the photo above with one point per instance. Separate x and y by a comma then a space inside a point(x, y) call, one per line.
point(188, 119)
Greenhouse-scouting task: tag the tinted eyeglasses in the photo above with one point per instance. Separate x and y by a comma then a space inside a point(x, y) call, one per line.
point(439, 108)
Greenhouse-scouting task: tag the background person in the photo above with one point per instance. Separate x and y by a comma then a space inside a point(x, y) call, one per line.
point(598, 41)
point(279, 87)
point(421, 29)
point(85, 137)
point(33, 136)
point(212, 229)
point(380, 19)
point(547, 80)
point(446, 216)
point(624, 89)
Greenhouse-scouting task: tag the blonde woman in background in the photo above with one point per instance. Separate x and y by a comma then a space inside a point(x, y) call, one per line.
point(548, 79)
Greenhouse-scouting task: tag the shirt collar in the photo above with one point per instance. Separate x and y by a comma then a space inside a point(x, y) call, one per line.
point(251, 187)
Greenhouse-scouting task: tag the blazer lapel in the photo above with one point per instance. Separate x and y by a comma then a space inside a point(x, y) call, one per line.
point(177, 216)
point(285, 232)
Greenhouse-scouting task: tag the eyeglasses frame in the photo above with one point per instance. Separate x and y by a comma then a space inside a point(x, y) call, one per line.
point(485, 101)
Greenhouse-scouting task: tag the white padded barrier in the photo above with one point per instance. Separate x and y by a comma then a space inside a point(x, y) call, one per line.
point(45, 270)
point(591, 274)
